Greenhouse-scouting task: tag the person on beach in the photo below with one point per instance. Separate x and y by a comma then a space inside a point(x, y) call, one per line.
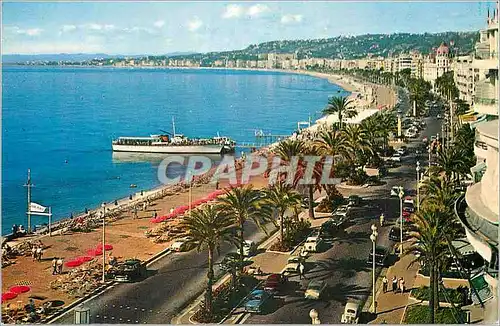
point(54, 266)
point(144, 206)
point(33, 252)
point(394, 284)
point(59, 264)
point(39, 253)
point(385, 283)
point(130, 197)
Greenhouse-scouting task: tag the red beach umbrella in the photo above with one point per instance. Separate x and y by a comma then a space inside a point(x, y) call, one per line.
point(19, 289)
point(73, 263)
point(85, 259)
point(8, 296)
point(106, 246)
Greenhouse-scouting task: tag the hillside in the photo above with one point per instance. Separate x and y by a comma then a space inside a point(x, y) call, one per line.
point(352, 47)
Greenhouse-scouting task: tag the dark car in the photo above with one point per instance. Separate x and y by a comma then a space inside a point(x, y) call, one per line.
point(354, 200)
point(331, 227)
point(275, 282)
point(129, 271)
point(380, 256)
point(395, 234)
point(256, 301)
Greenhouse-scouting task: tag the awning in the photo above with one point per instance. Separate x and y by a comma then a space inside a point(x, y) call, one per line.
point(463, 247)
point(482, 290)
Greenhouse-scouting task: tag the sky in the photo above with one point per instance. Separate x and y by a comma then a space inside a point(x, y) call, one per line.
point(166, 27)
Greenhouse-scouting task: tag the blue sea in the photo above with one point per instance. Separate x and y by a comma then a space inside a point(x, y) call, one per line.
point(59, 122)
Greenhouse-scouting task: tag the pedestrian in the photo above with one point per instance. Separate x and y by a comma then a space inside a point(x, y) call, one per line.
point(171, 210)
point(59, 264)
point(33, 252)
point(301, 271)
point(394, 284)
point(402, 285)
point(385, 282)
point(54, 266)
point(39, 253)
point(382, 219)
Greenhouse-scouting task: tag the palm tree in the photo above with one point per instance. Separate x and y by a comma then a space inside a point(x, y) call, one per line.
point(242, 204)
point(430, 247)
point(451, 161)
point(439, 191)
point(282, 197)
point(331, 143)
point(357, 143)
point(341, 106)
point(208, 228)
point(296, 149)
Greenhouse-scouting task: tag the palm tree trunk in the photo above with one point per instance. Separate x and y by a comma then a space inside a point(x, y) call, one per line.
point(210, 277)
point(281, 227)
point(432, 297)
point(242, 239)
point(311, 201)
point(436, 287)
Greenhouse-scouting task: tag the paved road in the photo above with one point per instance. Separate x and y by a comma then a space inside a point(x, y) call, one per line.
point(174, 281)
point(344, 266)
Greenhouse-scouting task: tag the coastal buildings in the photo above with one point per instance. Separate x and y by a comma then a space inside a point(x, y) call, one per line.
point(463, 74)
point(478, 209)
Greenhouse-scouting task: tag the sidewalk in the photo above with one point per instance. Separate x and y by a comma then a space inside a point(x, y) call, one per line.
point(391, 306)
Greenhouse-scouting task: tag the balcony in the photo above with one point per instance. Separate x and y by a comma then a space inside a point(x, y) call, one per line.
point(486, 98)
point(481, 232)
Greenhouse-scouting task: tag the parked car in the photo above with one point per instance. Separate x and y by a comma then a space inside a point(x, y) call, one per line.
point(313, 244)
point(395, 157)
point(315, 289)
point(395, 191)
point(380, 256)
point(274, 283)
point(354, 200)
point(129, 271)
point(331, 226)
point(182, 244)
point(351, 313)
point(249, 248)
point(293, 263)
point(256, 301)
point(342, 210)
point(395, 234)
point(425, 140)
point(408, 200)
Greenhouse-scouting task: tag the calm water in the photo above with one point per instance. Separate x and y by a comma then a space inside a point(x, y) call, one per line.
point(59, 122)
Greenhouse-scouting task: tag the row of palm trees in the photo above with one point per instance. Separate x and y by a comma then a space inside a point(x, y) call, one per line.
point(435, 225)
point(212, 225)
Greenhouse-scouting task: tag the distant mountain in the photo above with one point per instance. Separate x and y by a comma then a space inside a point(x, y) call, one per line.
point(74, 57)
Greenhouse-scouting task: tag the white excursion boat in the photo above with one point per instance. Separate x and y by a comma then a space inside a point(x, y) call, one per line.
point(173, 144)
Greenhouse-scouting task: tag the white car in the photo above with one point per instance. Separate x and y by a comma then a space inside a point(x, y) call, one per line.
point(315, 289)
point(181, 245)
point(313, 244)
point(396, 157)
point(293, 264)
point(408, 200)
point(351, 314)
point(342, 210)
point(395, 191)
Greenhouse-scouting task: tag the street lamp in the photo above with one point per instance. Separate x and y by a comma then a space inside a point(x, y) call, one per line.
point(418, 188)
point(401, 194)
point(373, 238)
point(314, 317)
point(430, 160)
point(103, 205)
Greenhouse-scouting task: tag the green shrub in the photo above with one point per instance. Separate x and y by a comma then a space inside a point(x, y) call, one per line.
point(418, 314)
point(454, 295)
